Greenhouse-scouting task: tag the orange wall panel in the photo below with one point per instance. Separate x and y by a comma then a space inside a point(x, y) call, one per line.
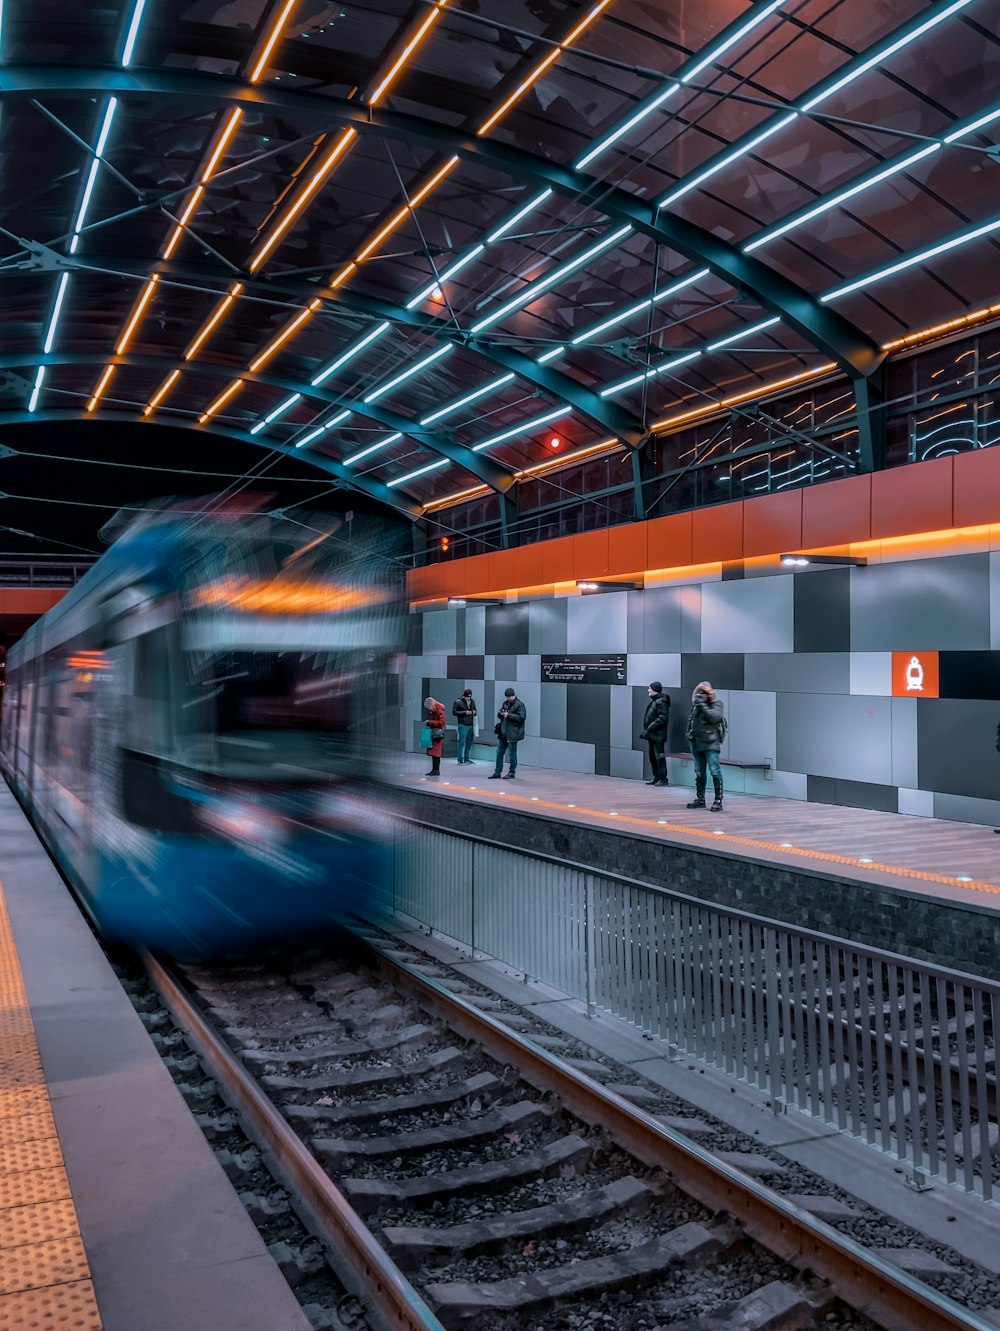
point(977, 487)
point(717, 533)
point(528, 571)
point(669, 541)
point(913, 498)
point(557, 560)
point(500, 575)
point(837, 512)
point(28, 600)
point(590, 554)
point(772, 523)
point(628, 548)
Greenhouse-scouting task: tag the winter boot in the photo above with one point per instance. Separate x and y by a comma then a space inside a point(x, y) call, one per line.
point(717, 806)
point(435, 767)
point(699, 794)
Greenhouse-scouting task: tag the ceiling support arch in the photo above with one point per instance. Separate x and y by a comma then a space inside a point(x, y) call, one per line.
point(483, 468)
point(852, 349)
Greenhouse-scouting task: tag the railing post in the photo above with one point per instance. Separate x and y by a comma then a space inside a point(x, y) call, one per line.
point(589, 944)
point(472, 905)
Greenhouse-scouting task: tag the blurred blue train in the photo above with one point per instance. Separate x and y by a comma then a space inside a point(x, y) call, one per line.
point(194, 728)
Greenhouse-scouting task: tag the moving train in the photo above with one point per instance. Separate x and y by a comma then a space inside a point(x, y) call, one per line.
point(194, 728)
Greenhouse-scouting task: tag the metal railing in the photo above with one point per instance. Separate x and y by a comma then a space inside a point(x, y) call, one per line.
point(897, 1053)
point(43, 570)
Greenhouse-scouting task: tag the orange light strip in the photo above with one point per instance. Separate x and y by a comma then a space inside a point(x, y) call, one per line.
point(220, 401)
point(182, 222)
point(541, 67)
point(133, 323)
point(318, 179)
point(302, 317)
point(939, 330)
point(102, 384)
point(408, 50)
point(222, 144)
point(161, 392)
point(271, 41)
point(217, 315)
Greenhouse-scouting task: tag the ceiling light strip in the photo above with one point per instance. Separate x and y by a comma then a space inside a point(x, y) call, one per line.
point(305, 197)
point(524, 427)
point(322, 429)
point(421, 471)
point(57, 305)
point(913, 260)
point(102, 142)
point(348, 355)
point(140, 306)
point(446, 276)
point(491, 387)
point(288, 331)
point(221, 400)
point(39, 379)
point(279, 410)
point(161, 392)
point(373, 448)
point(408, 373)
point(411, 46)
point(132, 36)
point(208, 327)
point(271, 40)
point(102, 384)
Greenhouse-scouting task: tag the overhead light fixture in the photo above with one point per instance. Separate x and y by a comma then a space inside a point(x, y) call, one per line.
point(844, 561)
point(460, 602)
point(586, 586)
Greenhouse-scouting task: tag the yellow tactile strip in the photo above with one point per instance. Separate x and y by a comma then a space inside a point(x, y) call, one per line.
point(44, 1277)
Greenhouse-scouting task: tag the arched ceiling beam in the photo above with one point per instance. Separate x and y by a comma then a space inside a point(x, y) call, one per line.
point(603, 414)
point(836, 336)
point(363, 484)
point(483, 468)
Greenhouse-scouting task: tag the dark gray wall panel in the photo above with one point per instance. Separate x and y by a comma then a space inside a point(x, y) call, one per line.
point(588, 713)
point(636, 615)
point(921, 604)
point(547, 627)
point(850, 738)
point(465, 667)
point(415, 635)
point(823, 610)
point(723, 670)
point(853, 794)
point(798, 672)
point(955, 747)
point(506, 630)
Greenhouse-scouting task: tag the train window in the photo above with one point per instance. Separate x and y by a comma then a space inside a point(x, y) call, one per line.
point(284, 691)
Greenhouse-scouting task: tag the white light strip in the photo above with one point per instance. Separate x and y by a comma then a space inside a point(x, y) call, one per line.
point(701, 64)
point(512, 222)
point(133, 33)
point(469, 397)
point(102, 140)
point(421, 471)
point(37, 388)
point(546, 356)
point(349, 354)
point(884, 53)
point(315, 434)
point(651, 373)
point(535, 289)
point(372, 448)
point(525, 427)
point(56, 310)
point(408, 373)
point(446, 276)
point(741, 336)
point(279, 410)
point(983, 120)
point(729, 158)
point(622, 315)
point(834, 200)
point(870, 279)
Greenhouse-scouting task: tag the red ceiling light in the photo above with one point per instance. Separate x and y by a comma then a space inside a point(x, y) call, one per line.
point(555, 442)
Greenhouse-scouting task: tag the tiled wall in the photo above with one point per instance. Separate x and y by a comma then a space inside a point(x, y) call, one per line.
point(802, 661)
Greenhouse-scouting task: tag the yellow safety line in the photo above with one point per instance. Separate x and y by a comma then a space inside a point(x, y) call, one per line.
point(727, 838)
point(44, 1275)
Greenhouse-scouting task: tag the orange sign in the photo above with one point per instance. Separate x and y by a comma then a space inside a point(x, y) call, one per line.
point(914, 674)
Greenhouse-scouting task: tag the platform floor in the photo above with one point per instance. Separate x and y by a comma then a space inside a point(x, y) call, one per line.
point(114, 1212)
point(946, 860)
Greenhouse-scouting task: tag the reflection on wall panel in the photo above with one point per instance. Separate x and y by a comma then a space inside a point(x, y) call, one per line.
point(842, 737)
point(921, 603)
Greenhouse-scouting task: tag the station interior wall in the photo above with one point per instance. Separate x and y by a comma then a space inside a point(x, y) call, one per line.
point(801, 657)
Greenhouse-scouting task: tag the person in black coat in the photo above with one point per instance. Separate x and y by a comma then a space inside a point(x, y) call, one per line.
point(464, 711)
point(706, 730)
point(509, 731)
point(654, 731)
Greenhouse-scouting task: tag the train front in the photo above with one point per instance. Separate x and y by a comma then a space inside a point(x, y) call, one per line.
point(253, 810)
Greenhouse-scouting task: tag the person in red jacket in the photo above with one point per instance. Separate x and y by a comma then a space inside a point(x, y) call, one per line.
point(436, 722)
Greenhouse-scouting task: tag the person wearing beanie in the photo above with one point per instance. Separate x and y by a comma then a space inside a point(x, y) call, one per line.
point(706, 729)
point(464, 711)
point(655, 724)
point(435, 724)
point(509, 731)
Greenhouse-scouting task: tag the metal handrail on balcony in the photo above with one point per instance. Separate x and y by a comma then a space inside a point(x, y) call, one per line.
point(43, 570)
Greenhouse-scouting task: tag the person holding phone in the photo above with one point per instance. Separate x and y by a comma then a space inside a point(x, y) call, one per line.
point(509, 731)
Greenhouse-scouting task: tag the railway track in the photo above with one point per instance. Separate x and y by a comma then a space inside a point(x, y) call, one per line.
point(460, 1174)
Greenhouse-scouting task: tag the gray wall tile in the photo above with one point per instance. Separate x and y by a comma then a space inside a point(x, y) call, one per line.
point(636, 621)
point(475, 630)
point(822, 609)
point(552, 711)
point(752, 727)
point(565, 756)
point(755, 615)
point(964, 809)
point(917, 802)
point(597, 623)
point(505, 668)
point(529, 668)
point(507, 629)
point(690, 604)
point(644, 667)
point(626, 763)
point(547, 627)
point(588, 713)
point(661, 609)
point(441, 633)
point(921, 604)
point(622, 725)
point(904, 741)
point(955, 747)
point(835, 736)
point(798, 672)
point(871, 673)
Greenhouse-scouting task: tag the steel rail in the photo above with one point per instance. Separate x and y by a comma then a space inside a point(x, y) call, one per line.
point(377, 1280)
point(866, 1282)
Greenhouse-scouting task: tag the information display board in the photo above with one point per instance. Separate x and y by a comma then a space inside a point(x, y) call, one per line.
point(584, 669)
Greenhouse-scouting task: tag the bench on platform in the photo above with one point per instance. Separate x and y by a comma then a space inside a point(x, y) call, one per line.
point(762, 764)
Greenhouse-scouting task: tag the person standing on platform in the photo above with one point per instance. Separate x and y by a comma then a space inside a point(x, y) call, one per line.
point(655, 724)
point(706, 729)
point(509, 731)
point(464, 711)
point(434, 726)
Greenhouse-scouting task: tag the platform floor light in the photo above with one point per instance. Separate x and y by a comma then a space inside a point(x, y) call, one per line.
point(844, 561)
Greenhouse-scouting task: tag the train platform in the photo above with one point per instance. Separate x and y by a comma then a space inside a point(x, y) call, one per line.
point(114, 1212)
point(922, 886)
